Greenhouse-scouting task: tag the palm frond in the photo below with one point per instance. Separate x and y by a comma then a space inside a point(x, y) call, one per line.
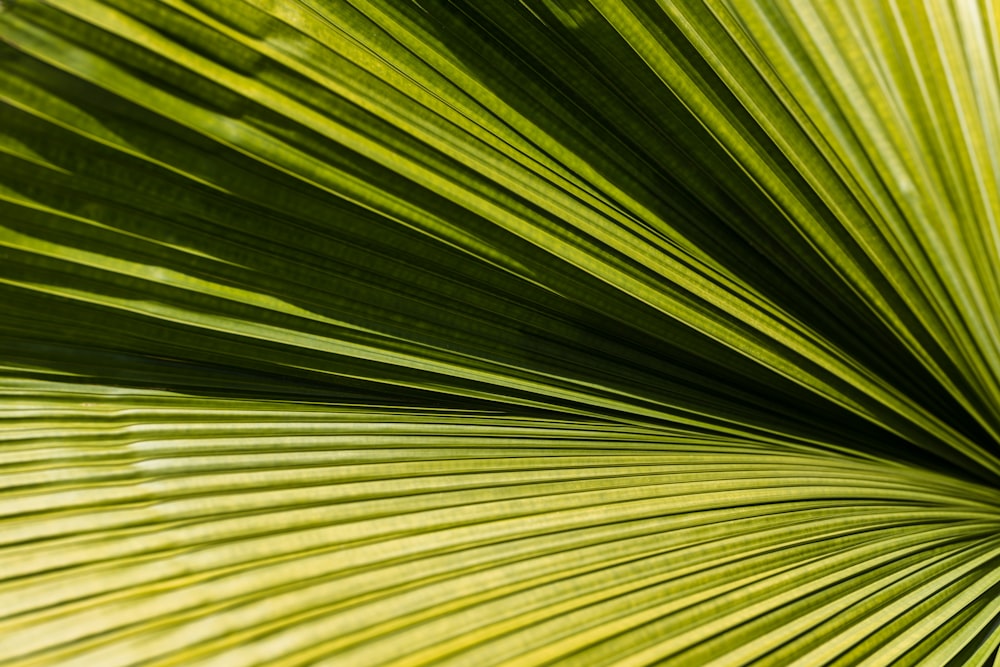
point(607, 332)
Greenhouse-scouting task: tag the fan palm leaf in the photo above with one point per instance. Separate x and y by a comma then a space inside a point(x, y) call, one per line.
point(571, 331)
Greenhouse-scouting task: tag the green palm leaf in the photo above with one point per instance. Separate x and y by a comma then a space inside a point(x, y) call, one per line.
point(609, 332)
